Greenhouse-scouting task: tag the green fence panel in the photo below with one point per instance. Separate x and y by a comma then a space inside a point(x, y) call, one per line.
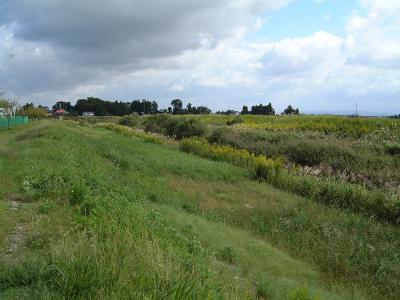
point(7, 122)
point(3, 122)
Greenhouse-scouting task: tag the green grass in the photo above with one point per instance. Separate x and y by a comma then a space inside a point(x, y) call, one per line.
point(274, 271)
point(377, 204)
point(107, 215)
point(355, 150)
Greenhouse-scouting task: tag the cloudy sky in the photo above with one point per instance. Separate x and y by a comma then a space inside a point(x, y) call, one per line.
point(319, 55)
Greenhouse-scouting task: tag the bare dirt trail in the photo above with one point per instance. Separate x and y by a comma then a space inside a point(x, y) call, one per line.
point(16, 238)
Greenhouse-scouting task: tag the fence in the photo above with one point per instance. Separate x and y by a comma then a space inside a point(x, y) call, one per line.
point(7, 122)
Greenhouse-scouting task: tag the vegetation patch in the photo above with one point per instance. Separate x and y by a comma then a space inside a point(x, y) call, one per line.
point(177, 128)
point(379, 205)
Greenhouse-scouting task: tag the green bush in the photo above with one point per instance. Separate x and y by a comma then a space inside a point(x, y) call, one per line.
point(130, 120)
point(157, 123)
point(235, 120)
point(305, 153)
point(176, 127)
point(218, 135)
point(189, 128)
point(312, 153)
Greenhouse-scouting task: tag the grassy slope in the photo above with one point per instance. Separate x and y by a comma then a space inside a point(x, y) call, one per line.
point(103, 212)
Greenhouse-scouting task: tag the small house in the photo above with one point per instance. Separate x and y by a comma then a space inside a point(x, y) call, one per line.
point(60, 113)
point(232, 112)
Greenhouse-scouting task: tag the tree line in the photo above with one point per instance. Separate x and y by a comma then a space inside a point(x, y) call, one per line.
point(267, 110)
point(147, 107)
point(119, 108)
point(141, 107)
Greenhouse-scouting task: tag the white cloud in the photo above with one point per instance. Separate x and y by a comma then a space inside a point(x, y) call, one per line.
point(299, 55)
point(382, 7)
point(177, 87)
point(374, 38)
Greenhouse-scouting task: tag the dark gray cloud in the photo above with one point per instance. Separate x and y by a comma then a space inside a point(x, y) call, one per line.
point(115, 32)
point(62, 44)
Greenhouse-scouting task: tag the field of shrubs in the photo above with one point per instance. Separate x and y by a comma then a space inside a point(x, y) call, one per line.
point(352, 127)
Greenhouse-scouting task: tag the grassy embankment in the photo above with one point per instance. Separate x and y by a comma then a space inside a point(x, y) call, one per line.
point(356, 150)
point(380, 203)
point(100, 215)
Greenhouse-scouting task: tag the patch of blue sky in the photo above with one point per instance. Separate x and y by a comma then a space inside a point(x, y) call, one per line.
point(304, 17)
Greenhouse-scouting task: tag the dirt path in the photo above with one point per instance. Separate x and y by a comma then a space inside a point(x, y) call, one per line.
point(16, 238)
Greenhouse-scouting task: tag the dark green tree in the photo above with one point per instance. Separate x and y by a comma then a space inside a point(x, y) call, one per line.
point(96, 105)
point(189, 108)
point(177, 106)
point(154, 108)
point(63, 105)
point(269, 111)
point(263, 110)
point(143, 107)
point(291, 111)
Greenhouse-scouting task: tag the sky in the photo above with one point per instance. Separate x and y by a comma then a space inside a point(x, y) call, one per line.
point(322, 56)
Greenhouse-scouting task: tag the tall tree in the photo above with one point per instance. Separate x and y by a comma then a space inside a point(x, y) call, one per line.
point(154, 107)
point(177, 106)
point(270, 111)
point(245, 110)
point(263, 110)
point(96, 105)
point(63, 105)
point(291, 111)
point(189, 108)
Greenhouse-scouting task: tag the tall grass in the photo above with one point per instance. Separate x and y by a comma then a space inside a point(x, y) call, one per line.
point(356, 198)
point(132, 132)
point(261, 167)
